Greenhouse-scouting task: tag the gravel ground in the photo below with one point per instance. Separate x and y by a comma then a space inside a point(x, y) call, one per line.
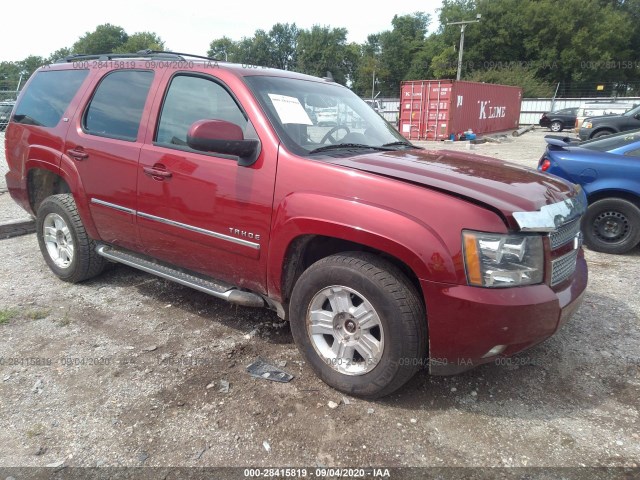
point(130, 370)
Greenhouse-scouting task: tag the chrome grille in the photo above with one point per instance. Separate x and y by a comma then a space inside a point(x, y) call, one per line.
point(564, 234)
point(563, 267)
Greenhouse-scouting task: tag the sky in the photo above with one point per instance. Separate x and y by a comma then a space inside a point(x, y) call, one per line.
point(187, 27)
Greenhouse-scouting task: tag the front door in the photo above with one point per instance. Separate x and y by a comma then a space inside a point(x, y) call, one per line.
point(202, 211)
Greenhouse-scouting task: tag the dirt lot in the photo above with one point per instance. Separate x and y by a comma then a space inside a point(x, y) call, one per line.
point(129, 370)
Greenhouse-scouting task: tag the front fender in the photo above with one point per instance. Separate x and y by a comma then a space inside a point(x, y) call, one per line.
point(395, 233)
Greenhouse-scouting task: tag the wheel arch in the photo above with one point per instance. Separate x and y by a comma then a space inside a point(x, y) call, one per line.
point(304, 250)
point(597, 130)
point(614, 193)
point(43, 182)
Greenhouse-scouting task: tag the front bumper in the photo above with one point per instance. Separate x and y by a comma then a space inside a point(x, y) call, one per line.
point(584, 134)
point(466, 323)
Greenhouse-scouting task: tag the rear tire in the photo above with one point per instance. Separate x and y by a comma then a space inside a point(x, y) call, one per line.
point(612, 225)
point(556, 126)
point(360, 324)
point(64, 242)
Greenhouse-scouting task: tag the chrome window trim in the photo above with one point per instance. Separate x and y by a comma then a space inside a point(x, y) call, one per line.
point(210, 233)
point(120, 208)
point(550, 217)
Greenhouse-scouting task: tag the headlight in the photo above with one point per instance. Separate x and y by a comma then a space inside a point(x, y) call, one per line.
point(496, 260)
point(587, 125)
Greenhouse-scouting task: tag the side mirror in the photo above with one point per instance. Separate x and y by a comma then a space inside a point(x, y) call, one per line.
point(637, 116)
point(220, 136)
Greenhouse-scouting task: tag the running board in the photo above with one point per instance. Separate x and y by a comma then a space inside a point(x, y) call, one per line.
point(212, 287)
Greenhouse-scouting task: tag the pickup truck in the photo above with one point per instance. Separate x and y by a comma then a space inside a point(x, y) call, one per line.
point(384, 257)
point(595, 127)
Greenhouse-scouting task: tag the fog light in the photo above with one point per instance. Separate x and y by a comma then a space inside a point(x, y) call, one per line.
point(497, 350)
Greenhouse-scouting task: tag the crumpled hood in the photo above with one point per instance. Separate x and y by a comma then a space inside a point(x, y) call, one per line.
point(503, 186)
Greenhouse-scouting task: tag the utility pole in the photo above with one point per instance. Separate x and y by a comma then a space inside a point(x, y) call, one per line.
point(463, 25)
point(373, 85)
point(22, 74)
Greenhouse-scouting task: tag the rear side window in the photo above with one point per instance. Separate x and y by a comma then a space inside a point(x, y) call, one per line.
point(48, 96)
point(117, 104)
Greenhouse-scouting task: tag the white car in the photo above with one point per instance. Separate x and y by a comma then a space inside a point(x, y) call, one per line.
point(327, 117)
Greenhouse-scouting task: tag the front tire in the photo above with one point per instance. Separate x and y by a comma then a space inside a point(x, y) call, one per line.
point(360, 324)
point(64, 242)
point(601, 133)
point(612, 225)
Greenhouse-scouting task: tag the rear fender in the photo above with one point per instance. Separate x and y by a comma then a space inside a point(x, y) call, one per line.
point(618, 187)
point(69, 173)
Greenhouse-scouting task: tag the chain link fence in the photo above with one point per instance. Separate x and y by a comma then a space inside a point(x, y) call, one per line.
point(7, 100)
point(9, 89)
point(8, 95)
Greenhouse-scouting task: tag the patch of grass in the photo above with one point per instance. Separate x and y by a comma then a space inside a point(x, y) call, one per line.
point(39, 313)
point(7, 314)
point(35, 430)
point(66, 320)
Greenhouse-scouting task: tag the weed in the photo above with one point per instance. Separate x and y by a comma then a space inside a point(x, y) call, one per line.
point(39, 313)
point(7, 314)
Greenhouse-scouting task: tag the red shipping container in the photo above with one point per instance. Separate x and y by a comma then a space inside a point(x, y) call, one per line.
point(435, 109)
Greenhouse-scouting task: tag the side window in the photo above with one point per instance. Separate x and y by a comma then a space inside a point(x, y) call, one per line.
point(48, 96)
point(116, 107)
point(189, 99)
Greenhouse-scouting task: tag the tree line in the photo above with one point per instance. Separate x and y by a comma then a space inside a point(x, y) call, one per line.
point(536, 44)
point(105, 38)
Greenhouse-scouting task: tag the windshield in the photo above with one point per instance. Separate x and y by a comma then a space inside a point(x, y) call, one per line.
point(612, 142)
point(312, 117)
point(632, 112)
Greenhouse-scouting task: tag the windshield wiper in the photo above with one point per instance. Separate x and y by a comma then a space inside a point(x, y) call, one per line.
point(400, 143)
point(338, 146)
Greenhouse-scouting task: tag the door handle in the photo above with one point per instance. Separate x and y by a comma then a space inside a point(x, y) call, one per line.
point(157, 172)
point(78, 153)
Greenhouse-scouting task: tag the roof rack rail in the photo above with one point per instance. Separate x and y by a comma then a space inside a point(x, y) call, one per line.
point(140, 54)
point(159, 52)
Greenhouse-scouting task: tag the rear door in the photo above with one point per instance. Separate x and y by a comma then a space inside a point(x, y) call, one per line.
point(203, 211)
point(104, 146)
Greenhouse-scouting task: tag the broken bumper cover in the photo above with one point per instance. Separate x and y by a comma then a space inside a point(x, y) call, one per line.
point(471, 326)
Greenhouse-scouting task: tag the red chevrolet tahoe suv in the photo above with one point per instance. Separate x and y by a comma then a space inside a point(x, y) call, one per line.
point(384, 257)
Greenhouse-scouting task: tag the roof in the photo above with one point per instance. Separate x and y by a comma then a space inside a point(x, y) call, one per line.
point(177, 57)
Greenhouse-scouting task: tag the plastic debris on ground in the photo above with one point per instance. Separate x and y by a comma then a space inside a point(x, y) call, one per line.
point(262, 369)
